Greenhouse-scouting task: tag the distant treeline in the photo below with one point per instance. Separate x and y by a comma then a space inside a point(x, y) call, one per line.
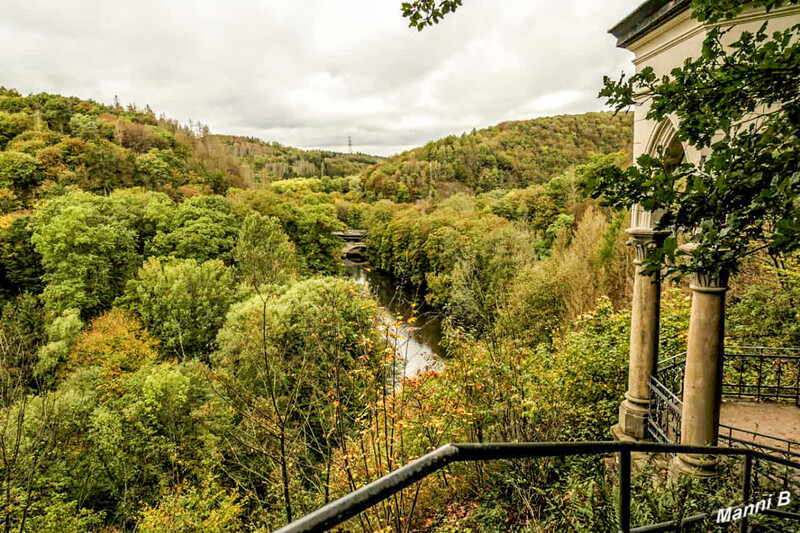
point(275, 161)
point(52, 144)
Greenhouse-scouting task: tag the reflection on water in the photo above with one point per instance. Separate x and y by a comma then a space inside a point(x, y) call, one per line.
point(419, 342)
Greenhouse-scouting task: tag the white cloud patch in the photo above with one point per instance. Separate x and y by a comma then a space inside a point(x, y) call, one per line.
point(311, 73)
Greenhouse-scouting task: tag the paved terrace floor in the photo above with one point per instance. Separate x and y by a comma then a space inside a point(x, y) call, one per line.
point(780, 420)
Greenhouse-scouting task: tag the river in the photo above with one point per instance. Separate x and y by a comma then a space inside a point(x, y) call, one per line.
point(420, 343)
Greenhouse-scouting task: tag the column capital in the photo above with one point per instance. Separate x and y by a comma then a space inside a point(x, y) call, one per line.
point(643, 240)
point(706, 281)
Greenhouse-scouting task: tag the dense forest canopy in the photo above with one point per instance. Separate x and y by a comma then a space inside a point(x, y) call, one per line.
point(511, 155)
point(180, 352)
point(51, 144)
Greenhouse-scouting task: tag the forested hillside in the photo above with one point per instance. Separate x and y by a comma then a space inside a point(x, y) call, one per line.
point(181, 352)
point(274, 161)
point(51, 144)
point(510, 155)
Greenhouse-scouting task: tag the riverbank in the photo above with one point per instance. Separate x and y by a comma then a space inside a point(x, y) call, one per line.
point(418, 329)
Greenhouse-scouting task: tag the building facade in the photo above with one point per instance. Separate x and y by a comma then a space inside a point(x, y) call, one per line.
point(662, 34)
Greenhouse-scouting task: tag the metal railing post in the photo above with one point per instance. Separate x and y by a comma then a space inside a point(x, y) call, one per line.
point(760, 372)
point(625, 491)
point(748, 469)
point(741, 375)
point(348, 506)
point(797, 386)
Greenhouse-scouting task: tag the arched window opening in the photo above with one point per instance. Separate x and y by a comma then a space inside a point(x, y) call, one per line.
point(674, 154)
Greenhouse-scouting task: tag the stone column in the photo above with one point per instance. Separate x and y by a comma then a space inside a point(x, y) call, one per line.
point(702, 384)
point(644, 338)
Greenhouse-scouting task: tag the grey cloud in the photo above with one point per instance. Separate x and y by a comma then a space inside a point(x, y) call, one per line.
point(310, 73)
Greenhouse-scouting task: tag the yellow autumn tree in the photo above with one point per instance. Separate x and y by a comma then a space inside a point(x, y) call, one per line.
point(117, 342)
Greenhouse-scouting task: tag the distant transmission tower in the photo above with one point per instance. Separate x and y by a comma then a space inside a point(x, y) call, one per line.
point(350, 144)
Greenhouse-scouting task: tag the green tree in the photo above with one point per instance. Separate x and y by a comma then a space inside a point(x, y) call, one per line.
point(57, 111)
point(202, 228)
point(85, 127)
point(143, 211)
point(20, 263)
point(22, 332)
point(745, 195)
point(182, 302)
point(11, 125)
point(109, 166)
point(152, 172)
point(61, 333)
point(264, 253)
point(19, 171)
point(295, 369)
point(88, 251)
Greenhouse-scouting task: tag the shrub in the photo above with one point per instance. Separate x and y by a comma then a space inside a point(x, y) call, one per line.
point(20, 172)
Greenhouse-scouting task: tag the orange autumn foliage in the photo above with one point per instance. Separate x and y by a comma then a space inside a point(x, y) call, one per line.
point(117, 342)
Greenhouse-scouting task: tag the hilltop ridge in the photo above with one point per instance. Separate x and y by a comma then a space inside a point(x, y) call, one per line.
point(514, 154)
point(51, 144)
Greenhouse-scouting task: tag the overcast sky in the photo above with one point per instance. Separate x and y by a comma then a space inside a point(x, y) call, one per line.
point(308, 73)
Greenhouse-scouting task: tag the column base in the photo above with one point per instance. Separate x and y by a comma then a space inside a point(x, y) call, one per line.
point(632, 421)
point(619, 435)
point(697, 466)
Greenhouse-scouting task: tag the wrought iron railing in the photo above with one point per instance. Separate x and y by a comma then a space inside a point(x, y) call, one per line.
point(775, 475)
point(747, 372)
point(664, 418)
point(732, 436)
point(761, 372)
point(664, 425)
point(754, 372)
point(670, 372)
point(666, 391)
point(362, 499)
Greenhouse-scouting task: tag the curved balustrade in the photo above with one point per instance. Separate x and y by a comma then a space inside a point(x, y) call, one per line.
point(755, 372)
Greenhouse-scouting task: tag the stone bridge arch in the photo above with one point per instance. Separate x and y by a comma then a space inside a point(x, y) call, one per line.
point(355, 246)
